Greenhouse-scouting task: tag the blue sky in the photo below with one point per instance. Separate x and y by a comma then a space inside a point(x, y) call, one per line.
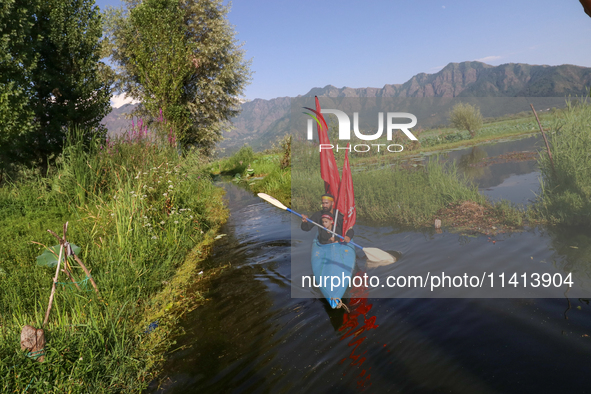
point(298, 45)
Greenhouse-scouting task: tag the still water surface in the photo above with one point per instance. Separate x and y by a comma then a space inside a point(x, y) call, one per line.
point(251, 336)
point(516, 181)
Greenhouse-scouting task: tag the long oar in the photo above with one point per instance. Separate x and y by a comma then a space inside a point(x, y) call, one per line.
point(373, 254)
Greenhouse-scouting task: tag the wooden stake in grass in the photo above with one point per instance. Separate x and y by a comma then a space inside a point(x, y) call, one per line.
point(545, 140)
point(70, 252)
point(65, 251)
point(57, 271)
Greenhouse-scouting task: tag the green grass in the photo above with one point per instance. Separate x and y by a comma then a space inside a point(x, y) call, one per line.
point(277, 184)
point(566, 188)
point(399, 194)
point(396, 195)
point(247, 168)
point(137, 210)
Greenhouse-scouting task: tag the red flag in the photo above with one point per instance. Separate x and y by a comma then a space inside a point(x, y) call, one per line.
point(346, 199)
point(328, 165)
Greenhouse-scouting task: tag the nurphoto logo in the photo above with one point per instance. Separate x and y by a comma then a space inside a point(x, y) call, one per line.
point(345, 130)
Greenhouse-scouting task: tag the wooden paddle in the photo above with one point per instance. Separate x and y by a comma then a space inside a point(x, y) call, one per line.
point(373, 254)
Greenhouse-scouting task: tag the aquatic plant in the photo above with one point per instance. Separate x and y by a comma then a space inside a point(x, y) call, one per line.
point(566, 189)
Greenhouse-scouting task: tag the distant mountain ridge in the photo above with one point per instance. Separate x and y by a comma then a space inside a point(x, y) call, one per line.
point(262, 121)
point(476, 79)
point(116, 121)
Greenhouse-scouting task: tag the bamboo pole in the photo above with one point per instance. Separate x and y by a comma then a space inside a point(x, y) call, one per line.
point(57, 271)
point(545, 140)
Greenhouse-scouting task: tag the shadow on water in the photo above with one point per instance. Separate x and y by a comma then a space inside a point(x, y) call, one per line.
point(252, 336)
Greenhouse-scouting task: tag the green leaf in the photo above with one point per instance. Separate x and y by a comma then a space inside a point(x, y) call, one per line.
point(48, 259)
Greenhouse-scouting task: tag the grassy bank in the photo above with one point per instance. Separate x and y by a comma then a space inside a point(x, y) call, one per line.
point(566, 183)
point(143, 217)
point(402, 196)
point(267, 172)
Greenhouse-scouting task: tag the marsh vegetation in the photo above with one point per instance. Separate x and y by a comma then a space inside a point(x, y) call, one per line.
point(566, 179)
point(143, 217)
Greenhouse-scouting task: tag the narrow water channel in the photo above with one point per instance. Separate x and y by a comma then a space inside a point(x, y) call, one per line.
point(252, 336)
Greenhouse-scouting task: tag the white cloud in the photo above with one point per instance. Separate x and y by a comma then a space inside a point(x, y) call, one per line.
point(488, 59)
point(443, 6)
point(121, 99)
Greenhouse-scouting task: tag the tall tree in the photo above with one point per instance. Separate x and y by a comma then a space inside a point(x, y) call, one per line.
point(50, 76)
point(180, 56)
point(17, 60)
point(69, 89)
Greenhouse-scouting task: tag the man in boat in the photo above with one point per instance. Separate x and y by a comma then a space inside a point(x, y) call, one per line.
point(327, 207)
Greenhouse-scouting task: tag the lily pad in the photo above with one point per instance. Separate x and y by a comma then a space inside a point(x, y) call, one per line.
point(48, 259)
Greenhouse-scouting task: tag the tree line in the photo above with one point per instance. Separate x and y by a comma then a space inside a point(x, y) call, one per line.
point(179, 58)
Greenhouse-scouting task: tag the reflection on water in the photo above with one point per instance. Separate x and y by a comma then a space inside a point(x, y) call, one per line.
point(355, 324)
point(513, 180)
point(466, 163)
point(519, 189)
point(251, 336)
point(471, 161)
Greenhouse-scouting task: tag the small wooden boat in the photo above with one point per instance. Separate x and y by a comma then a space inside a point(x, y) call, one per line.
point(333, 260)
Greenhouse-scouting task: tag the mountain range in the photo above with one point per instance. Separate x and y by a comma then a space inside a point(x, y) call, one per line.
point(262, 121)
